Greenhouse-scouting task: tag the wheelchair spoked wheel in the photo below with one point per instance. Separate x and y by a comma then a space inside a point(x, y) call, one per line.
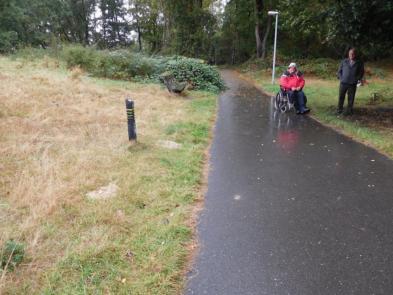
point(280, 104)
point(284, 108)
point(277, 101)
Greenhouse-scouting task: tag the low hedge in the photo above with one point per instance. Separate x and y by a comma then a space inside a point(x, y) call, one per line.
point(126, 65)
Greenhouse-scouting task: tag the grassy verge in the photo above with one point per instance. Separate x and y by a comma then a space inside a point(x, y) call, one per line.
point(372, 122)
point(63, 135)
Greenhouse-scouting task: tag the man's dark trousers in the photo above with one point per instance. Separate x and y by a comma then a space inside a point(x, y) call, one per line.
point(299, 99)
point(344, 88)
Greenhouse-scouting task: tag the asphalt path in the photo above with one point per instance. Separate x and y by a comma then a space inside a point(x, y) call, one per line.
point(292, 207)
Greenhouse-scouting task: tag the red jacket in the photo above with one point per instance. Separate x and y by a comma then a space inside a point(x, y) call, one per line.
point(287, 80)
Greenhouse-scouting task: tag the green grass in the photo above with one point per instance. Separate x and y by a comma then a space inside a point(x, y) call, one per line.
point(157, 233)
point(322, 97)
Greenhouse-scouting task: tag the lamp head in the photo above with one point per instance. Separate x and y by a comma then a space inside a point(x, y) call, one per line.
point(272, 12)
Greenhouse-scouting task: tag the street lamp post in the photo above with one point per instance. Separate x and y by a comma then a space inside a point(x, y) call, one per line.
point(275, 43)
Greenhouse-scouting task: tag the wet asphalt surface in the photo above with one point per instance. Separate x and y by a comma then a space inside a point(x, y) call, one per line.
point(292, 207)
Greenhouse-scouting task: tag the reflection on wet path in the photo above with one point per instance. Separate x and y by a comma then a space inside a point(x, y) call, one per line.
point(292, 207)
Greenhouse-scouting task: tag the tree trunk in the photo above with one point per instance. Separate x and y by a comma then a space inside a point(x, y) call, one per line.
point(199, 3)
point(233, 55)
point(166, 35)
point(138, 27)
point(139, 37)
point(258, 26)
point(268, 27)
point(87, 41)
point(85, 21)
point(258, 41)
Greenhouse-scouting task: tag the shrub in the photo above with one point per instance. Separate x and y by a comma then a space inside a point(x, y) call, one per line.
point(141, 66)
point(199, 74)
point(320, 67)
point(78, 56)
point(119, 64)
point(8, 41)
point(125, 65)
point(30, 53)
point(12, 254)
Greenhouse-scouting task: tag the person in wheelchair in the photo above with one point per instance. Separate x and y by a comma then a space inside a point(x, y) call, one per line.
point(292, 83)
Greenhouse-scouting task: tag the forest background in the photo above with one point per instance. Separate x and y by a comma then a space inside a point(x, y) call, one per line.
point(220, 32)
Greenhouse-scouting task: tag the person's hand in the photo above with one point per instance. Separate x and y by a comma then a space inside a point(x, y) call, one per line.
point(293, 88)
point(298, 89)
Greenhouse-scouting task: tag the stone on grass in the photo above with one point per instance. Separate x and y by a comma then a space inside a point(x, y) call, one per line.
point(171, 83)
point(103, 193)
point(169, 144)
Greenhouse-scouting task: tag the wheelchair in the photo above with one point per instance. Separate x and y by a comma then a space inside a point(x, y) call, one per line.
point(282, 102)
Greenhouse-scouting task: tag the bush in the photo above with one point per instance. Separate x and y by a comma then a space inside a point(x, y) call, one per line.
point(320, 67)
point(196, 72)
point(11, 255)
point(119, 64)
point(8, 41)
point(78, 56)
point(125, 65)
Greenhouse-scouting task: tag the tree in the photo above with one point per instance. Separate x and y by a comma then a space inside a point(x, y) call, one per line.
point(189, 26)
point(114, 26)
point(197, 28)
point(148, 23)
point(258, 26)
point(368, 26)
point(328, 28)
point(261, 34)
point(237, 38)
point(79, 19)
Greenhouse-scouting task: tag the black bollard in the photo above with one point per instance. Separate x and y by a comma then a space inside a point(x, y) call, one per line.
point(131, 120)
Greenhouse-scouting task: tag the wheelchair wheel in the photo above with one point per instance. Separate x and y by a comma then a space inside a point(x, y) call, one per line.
point(280, 103)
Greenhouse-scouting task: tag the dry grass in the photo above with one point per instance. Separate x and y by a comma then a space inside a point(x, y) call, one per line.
point(63, 134)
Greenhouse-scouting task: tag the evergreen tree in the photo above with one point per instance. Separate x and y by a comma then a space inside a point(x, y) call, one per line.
point(115, 29)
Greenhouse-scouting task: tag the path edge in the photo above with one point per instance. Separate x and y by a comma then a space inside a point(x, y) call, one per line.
point(312, 117)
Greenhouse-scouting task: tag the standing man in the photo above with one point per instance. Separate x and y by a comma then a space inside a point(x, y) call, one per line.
point(350, 73)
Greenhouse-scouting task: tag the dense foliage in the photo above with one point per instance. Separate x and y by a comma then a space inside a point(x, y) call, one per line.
point(123, 64)
point(328, 28)
point(119, 64)
point(201, 75)
point(204, 29)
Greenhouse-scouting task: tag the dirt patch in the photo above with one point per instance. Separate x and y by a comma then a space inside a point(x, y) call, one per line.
point(377, 118)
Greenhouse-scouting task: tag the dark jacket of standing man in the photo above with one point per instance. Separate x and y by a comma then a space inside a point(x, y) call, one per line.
point(350, 73)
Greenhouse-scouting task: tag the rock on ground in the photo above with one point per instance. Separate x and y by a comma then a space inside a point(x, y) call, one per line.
point(105, 192)
point(169, 144)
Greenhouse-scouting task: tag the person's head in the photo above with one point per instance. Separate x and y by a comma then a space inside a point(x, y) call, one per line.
point(292, 67)
point(352, 53)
